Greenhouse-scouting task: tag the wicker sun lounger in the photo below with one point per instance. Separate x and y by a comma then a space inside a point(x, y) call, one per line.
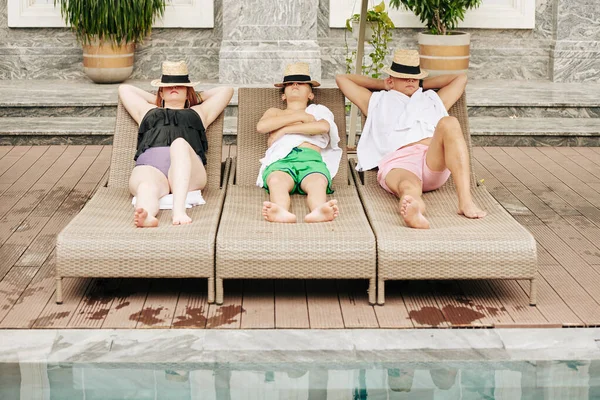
point(101, 241)
point(495, 247)
point(248, 247)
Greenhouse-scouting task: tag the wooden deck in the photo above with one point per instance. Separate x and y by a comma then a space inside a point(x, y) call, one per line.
point(554, 192)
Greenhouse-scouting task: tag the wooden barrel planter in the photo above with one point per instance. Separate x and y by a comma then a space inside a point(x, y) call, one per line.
point(107, 64)
point(445, 54)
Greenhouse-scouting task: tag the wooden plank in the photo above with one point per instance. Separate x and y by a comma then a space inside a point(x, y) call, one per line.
point(61, 209)
point(22, 175)
point(95, 304)
point(574, 162)
point(58, 315)
point(504, 196)
point(516, 303)
point(4, 150)
point(291, 308)
point(18, 242)
point(324, 310)
point(586, 228)
point(354, 302)
point(229, 314)
point(129, 301)
point(422, 306)
point(592, 154)
point(12, 157)
point(393, 314)
point(572, 237)
point(258, 304)
point(159, 308)
point(458, 313)
point(12, 287)
point(29, 306)
point(192, 307)
point(478, 295)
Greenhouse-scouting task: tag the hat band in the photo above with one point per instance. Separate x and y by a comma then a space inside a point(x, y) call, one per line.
point(405, 69)
point(296, 78)
point(175, 79)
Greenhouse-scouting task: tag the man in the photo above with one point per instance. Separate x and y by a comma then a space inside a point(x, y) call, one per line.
point(409, 135)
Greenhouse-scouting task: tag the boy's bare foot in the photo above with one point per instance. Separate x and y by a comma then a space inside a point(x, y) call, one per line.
point(181, 219)
point(141, 219)
point(274, 213)
point(325, 212)
point(409, 209)
point(470, 210)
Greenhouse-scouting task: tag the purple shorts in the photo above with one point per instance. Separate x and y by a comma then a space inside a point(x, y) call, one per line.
point(157, 157)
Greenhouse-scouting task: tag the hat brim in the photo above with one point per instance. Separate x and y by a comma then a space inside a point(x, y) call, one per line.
point(312, 83)
point(158, 83)
point(395, 74)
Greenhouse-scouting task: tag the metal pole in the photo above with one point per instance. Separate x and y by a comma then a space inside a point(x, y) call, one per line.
point(358, 70)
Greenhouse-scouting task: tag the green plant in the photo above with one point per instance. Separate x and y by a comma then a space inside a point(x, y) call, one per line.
point(113, 21)
point(440, 16)
point(382, 35)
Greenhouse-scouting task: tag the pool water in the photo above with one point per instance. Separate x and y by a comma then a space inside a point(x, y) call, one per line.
point(510, 380)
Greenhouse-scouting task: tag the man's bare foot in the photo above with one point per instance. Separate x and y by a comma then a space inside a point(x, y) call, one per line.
point(274, 213)
point(181, 219)
point(409, 209)
point(470, 210)
point(141, 219)
point(325, 212)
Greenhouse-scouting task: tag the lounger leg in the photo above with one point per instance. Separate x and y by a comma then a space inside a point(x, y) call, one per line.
point(533, 292)
point(59, 293)
point(219, 282)
point(372, 291)
point(211, 290)
point(380, 292)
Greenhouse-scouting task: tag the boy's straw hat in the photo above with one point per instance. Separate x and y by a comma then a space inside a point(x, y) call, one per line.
point(297, 72)
point(406, 65)
point(174, 73)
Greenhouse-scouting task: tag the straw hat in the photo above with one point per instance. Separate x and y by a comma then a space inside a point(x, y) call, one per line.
point(174, 73)
point(297, 72)
point(406, 65)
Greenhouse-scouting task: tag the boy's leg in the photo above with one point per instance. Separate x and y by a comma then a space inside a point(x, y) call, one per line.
point(280, 185)
point(408, 187)
point(321, 210)
point(148, 184)
point(448, 149)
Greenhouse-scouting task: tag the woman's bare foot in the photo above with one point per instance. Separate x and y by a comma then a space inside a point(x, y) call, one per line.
point(141, 219)
point(181, 218)
point(274, 213)
point(409, 209)
point(470, 210)
point(325, 212)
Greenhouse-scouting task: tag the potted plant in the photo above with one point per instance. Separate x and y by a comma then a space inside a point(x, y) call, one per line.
point(108, 32)
point(378, 34)
point(442, 48)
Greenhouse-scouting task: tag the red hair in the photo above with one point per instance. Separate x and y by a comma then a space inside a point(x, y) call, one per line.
point(192, 97)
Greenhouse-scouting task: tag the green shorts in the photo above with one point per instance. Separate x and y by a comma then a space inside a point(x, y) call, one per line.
point(298, 164)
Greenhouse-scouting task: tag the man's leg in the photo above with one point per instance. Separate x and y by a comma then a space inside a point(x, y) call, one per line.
point(280, 185)
point(448, 149)
point(321, 210)
point(148, 184)
point(407, 186)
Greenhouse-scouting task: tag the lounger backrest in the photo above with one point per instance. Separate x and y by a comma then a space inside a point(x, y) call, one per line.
point(251, 145)
point(458, 110)
point(125, 144)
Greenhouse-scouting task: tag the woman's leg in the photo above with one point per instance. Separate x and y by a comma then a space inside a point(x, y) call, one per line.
point(280, 185)
point(185, 173)
point(321, 210)
point(408, 187)
point(148, 184)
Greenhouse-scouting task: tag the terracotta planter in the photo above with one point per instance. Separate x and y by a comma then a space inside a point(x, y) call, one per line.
point(107, 64)
point(445, 54)
point(369, 29)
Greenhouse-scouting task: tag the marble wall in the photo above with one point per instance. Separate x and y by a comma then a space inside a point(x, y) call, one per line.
point(253, 39)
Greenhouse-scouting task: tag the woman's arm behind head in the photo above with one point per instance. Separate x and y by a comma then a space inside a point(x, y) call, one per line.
point(213, 103)
point(136, 101)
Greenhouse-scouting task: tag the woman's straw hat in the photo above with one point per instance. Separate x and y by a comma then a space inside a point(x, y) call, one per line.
point(174, 73)
point(406, 65)
point(297, 72)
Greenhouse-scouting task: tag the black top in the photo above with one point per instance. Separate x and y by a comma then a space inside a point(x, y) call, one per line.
point(161, 126)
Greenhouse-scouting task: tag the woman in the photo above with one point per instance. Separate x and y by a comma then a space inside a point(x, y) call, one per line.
point(172, 143)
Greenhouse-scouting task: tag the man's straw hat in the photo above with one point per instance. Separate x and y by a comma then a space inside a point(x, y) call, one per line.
point(406, 65)
point(297, 72)
point(174, 73)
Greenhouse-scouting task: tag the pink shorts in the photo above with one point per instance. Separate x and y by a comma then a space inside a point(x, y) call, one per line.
point(412, 158)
